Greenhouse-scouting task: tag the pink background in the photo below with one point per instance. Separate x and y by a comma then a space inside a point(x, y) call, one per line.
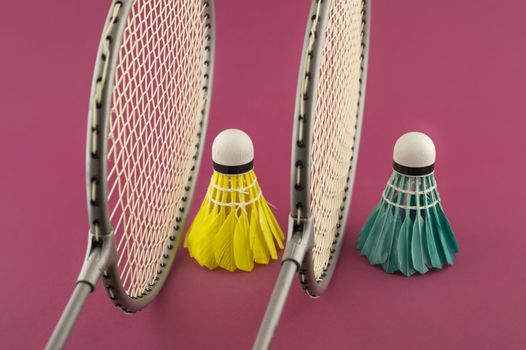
point(453, 69)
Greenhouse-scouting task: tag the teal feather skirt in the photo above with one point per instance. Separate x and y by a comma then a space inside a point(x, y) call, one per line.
point(408, 230)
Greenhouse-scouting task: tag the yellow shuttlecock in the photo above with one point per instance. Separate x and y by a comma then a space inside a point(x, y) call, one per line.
point(234, 227)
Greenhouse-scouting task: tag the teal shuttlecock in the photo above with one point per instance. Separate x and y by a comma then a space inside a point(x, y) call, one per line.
point(408, 230)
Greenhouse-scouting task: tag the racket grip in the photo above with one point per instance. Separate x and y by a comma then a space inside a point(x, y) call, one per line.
point(275, 306)
point(69, 316)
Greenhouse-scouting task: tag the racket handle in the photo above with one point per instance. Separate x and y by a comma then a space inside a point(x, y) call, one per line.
point(69, 316)
point(275, 306)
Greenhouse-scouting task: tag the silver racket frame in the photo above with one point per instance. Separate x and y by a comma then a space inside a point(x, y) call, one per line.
point(298, 257)
point(102, 256)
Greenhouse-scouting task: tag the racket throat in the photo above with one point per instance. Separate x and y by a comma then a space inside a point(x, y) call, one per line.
point(300, 240)
point(101, 253)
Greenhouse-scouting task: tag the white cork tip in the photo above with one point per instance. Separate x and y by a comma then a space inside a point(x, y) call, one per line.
point(232, 147)
point(414, 150)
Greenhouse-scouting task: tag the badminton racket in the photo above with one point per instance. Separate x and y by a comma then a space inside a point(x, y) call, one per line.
point(147, 121)
point(328, 119)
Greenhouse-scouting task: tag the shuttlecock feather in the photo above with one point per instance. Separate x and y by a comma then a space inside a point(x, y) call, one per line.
point(408, 230)
point(234, 228)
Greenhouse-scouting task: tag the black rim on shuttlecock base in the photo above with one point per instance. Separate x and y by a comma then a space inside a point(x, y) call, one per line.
point(410, 171)
point(233, 169)
point(408, 230)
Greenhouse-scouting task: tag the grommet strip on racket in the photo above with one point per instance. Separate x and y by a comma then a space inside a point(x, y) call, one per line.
point(328, 119)
point(147, 121)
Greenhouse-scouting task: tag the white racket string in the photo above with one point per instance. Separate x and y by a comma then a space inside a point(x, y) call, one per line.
point(335, 120)
point(156, 110)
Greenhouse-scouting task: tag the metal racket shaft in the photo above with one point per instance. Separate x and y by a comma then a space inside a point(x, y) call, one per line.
point(275, 306)
point(100, 254)
point(300, 242)
point(69, 316)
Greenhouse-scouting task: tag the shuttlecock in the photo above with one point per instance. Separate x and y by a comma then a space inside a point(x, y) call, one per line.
point(408, 230)
point(234, 227)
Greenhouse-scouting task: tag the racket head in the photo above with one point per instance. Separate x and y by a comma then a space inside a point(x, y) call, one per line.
point(330, 98)
point(148, 115)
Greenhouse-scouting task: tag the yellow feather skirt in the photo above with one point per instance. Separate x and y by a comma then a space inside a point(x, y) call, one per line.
point(234, 228)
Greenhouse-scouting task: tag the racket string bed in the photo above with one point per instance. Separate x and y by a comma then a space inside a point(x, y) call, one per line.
point(329, 109)
point(152, 137)
point(148, 114)
point(335, 122)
